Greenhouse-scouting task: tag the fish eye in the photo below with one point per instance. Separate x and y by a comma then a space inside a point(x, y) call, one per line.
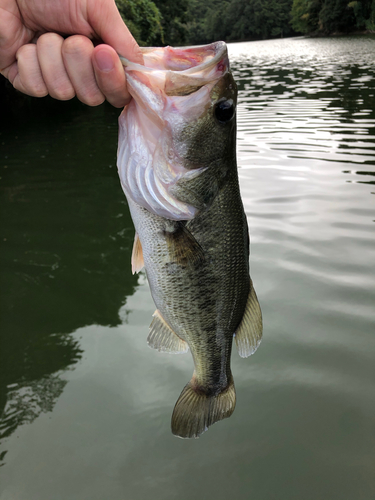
point(224, 110)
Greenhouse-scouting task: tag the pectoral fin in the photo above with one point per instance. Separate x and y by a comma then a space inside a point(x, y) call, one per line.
point(163, 338)
point(183, 248)
point(137, 255)
point(249, 333)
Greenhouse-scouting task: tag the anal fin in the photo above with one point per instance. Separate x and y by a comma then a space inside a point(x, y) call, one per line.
point(163, 338)
point(249, 332)
point(137, 255)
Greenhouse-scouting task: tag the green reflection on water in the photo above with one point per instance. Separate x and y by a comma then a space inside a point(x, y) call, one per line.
point(66, 238)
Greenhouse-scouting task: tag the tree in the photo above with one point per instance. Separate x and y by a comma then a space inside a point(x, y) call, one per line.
point(174, 19)
point(143, 19)
point(305, 15)
point(370, 21)
point(335, 15)
point(329, 16)
point(258, 19)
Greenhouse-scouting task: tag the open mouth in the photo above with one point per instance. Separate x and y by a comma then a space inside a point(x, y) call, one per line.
point(187, 60)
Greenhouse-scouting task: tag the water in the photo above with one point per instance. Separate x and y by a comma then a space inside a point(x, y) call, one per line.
point(87, 404)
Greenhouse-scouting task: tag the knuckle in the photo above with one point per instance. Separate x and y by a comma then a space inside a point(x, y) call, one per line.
point(49, 40)
point(90, 94)
point(33, 89)
point(40, 92)
point(76, 45)
point(37, 88)
point(25, 51)
point(29, 79)
point(64, 93)
point(94, 100)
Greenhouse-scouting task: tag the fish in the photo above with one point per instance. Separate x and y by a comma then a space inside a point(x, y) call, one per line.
point(177, 167)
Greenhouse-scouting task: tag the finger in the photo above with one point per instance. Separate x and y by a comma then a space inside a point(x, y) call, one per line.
point(77, 52)
point(105, 18)
point(110, 75)
point(10, 72)
point(55, 76)
point(13, 33)
point(28, 78)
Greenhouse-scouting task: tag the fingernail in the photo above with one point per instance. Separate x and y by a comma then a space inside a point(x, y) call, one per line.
point(104, 61)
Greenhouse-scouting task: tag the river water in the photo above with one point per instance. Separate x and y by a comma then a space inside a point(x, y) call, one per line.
point(87, 405)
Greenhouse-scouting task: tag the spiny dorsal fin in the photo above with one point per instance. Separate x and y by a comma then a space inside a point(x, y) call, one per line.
point(195, 411)
point(137, 255)
point(249, 333)
point(162, 337)
point(183, 247)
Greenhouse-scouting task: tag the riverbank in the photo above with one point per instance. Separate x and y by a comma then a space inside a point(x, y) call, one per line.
point(320, 34)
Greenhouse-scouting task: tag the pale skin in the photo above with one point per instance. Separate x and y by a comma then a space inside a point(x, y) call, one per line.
point(38, 56)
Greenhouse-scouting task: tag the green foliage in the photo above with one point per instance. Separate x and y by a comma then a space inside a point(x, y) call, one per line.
point(234, 20)
point(200, 20)
point(330, 16)
point(336, 16)
point(305, 15)
point(188, 22)
point(370, 21)
point(364, 13)
point(194, 22)
point(174, 19)
point(260, 18)
point(143, 19)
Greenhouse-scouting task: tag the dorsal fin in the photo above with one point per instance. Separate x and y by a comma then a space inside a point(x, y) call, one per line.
point(249, 332)
point(163, 338)
point(137, 255)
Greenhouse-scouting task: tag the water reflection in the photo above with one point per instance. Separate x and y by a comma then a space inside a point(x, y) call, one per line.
point(358, 172)
point(66, 237)
point(307, 102)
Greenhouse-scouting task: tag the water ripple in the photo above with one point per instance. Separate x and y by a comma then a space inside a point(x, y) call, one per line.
point(306, 151)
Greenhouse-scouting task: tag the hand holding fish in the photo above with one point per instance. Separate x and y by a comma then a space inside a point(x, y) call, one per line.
point(38, 60)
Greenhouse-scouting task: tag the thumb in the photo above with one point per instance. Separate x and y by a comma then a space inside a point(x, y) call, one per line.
point(107, 22)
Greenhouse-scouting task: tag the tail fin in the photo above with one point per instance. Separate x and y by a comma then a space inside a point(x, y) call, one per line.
point(195, 411)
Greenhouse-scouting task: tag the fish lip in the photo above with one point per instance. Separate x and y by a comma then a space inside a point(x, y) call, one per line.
point(219, 47)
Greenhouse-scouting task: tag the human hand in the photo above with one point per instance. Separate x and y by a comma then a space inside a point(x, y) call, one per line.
point(38, 61)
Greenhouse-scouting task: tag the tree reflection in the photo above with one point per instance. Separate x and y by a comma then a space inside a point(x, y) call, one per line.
point(66, 238)
point(25, 401)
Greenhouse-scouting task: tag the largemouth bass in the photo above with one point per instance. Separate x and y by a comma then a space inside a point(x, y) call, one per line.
point(177, 166)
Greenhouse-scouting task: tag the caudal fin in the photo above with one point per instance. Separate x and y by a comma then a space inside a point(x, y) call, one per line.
point(195, 411)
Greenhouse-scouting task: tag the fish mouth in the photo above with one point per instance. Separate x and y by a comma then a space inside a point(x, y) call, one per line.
point(180, 72)
point(183, 60)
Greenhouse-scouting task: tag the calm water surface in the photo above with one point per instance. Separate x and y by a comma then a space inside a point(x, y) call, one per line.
point(87, 405)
